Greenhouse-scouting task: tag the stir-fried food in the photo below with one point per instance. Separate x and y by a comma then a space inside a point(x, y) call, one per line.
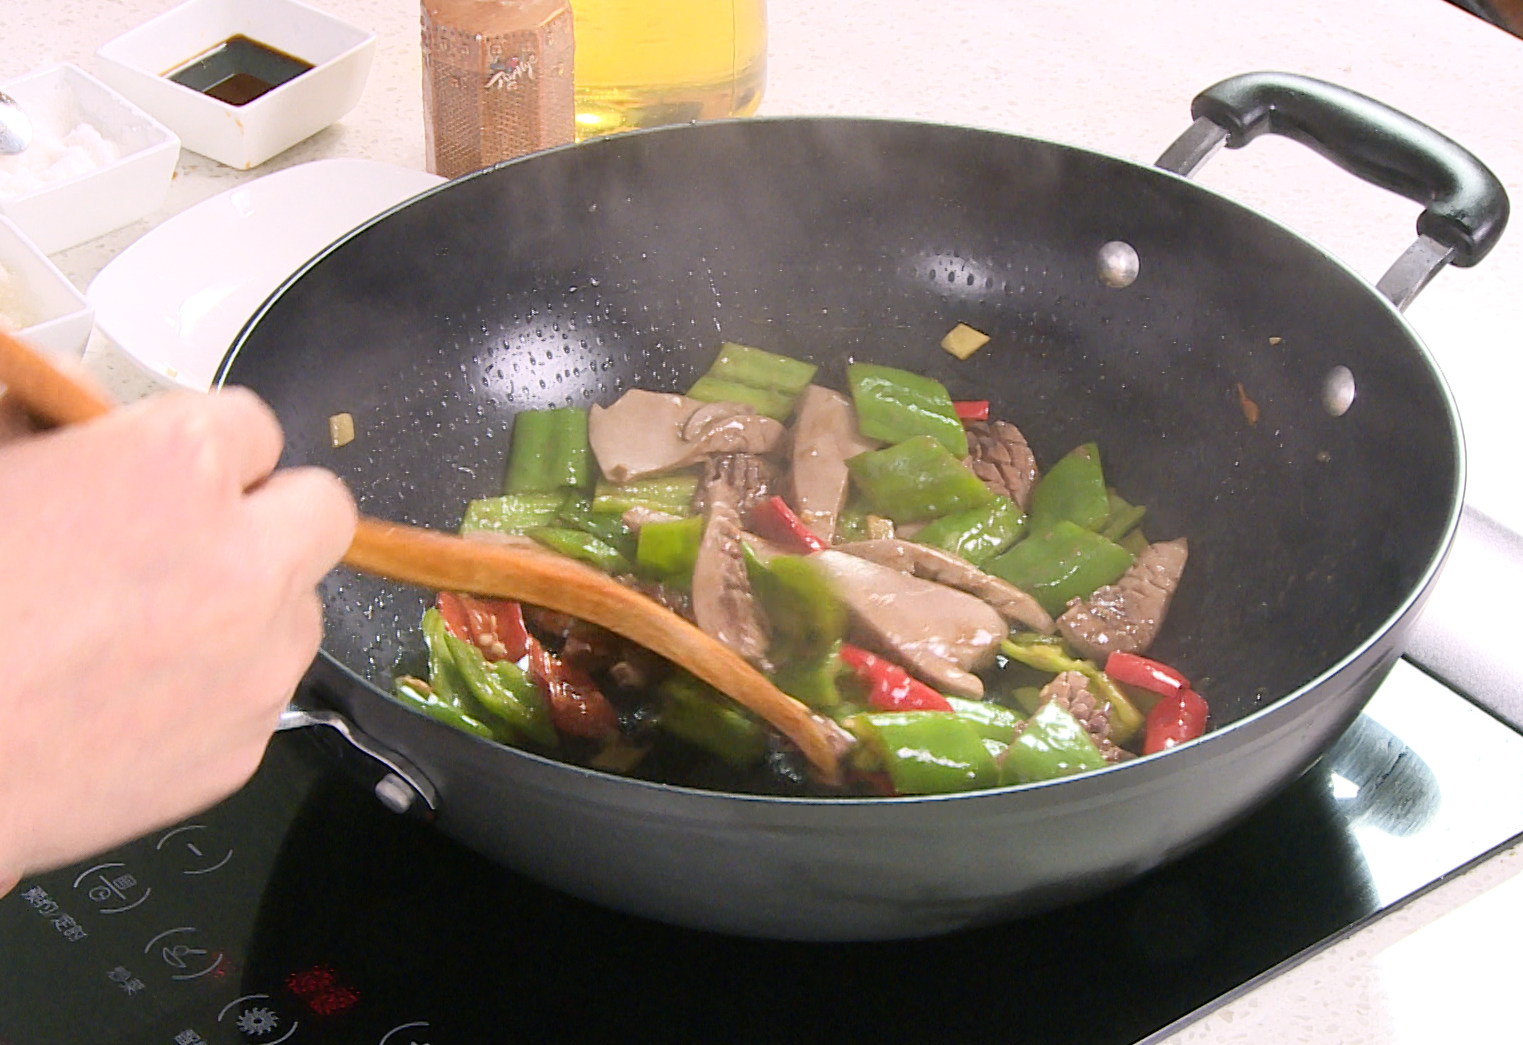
point(892, 558)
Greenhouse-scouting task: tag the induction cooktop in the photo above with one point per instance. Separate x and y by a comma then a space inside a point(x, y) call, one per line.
point(301, 911)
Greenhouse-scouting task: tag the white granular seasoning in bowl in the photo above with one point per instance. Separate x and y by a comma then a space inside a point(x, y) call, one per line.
point(14, 313)
point(50, 160)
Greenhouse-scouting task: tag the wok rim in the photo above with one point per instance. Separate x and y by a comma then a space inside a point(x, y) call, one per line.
point(1275, 708)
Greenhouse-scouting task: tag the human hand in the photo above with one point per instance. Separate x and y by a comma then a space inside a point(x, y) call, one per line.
point(157, 608)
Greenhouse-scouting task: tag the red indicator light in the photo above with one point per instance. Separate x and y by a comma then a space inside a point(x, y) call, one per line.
point(334, 1001)
point(320, 988)
point(311, 981)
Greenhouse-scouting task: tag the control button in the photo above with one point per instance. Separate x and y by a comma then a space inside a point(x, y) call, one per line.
point(112, 888)
point(257, 1019)
point(182, 954)
point(407, 1034)
point(194, 849)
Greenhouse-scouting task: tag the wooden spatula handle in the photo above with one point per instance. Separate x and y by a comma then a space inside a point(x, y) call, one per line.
point(48, 392)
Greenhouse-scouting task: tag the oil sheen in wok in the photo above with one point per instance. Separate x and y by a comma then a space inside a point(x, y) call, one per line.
point(894, 559)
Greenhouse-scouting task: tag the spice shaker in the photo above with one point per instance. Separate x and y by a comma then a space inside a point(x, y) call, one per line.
point(497, 81)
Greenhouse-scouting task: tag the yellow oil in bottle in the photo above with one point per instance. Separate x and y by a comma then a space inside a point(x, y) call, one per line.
point(643, 63)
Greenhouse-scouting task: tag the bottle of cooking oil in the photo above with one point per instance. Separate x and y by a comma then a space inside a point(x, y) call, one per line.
point(643, 63)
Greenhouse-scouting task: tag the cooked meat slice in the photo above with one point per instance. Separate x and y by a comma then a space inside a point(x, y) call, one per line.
point(639, 515)
point(945, 568)
point(752, 477)
point(722, 602)
point(1070, 691)
point(644, 433)
point(640, 434)
point(552, 626)
point(708, 415)
point(998, 454)
point(744, 434)
point(940, 635)
point(1127, 615)
point(824, 436)
point(674, 599)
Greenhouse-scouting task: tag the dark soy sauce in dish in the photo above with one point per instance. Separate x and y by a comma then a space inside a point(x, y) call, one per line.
point(238, 70)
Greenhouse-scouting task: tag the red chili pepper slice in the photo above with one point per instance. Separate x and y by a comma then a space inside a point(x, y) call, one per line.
point(891, 688)
point(971, 409)
point(1131, 670)
point(496, 626)
point(456, 619)
point(1173, 720)
point(774, 520)
point(577, 706)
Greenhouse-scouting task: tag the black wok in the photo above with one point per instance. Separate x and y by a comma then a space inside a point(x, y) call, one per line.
point(568, 277)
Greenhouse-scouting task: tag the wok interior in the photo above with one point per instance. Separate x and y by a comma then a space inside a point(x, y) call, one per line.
point(571, 277)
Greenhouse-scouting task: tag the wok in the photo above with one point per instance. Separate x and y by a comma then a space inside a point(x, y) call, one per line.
point(1316, 528)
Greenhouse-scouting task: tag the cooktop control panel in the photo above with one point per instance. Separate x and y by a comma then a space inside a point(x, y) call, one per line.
point(301, 911)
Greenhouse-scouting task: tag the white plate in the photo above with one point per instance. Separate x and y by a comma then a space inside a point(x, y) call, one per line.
point(175, 300)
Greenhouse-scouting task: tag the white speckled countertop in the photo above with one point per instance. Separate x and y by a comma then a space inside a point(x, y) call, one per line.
point(1116, 76)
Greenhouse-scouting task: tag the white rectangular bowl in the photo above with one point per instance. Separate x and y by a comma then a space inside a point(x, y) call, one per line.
point(58, 99)
point(59, 318)
point(241, 136)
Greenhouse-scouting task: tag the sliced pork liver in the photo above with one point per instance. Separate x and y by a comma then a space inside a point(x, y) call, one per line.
point(646, 433)
point(933, 564)
point(723, 605)
point(998, 454)
point(939, 634)
point(1126, 615)
point(824, 436)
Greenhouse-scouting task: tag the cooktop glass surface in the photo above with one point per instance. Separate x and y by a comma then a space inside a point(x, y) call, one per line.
point(301, 911)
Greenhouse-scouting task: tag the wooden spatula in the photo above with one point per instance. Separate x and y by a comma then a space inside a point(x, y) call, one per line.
point(444, 562)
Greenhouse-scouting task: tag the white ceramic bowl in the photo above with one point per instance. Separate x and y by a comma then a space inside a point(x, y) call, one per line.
point(62, 213)
point(241, 136)
point(175, 299)
point(51, 312)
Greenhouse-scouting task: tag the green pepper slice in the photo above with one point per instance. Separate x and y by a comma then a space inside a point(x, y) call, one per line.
point(1122, 517)
point(1065, 562)
point(672, 494)
point(549, 451)
point(1049, 654)
point(699, 714)
point(992, 721)
point(444, 676)
point(917, 479)
point(1072, 490)
point(502, 690)
point(894, 405)
point(513, 513)
point(576, 512)
point(668, 550)
point(761, 369)
point(581, 545)
point(409, 693)
point(768, 402)
point(1052, 745)
point(978, 534)
point(808, 622)
point(765, 381)
point(927, 752)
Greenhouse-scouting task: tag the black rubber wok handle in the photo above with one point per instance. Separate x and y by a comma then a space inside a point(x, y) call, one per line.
point(1465, 205)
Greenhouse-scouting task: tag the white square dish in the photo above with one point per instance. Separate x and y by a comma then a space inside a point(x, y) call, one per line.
point(242, 136)
point(71, 201)
point(49, 311)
